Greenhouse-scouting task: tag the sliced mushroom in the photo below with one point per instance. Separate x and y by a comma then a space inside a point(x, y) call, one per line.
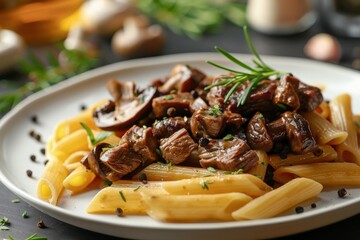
point(138, 38)
point(127, 107)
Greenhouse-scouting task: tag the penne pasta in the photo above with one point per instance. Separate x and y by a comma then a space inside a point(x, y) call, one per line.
point(128, 199)
point(323, 110)
point(78, 179)
point(76, 141)
point(193, 208)
point(73, 161)
point(342, 118)
point(323, 131)
point(279, 200)
point(50, 185)
point(329, 154)
point(243, 183)
point(335, 174)
point(68, 126)
point(260, 169)
point(165, 172)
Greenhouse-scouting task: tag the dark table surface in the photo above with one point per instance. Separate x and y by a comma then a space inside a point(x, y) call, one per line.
point(229, 37)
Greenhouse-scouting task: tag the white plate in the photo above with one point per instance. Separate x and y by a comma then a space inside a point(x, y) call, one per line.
point(64, 100)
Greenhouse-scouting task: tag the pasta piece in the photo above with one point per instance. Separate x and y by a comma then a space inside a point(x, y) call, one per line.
point(329, 154)
point(243, 183)
point(357, 124)
point(76, 141)
point(323, 131)
point(279, 200)
point(193, 208)
point(50, 184)
point(78, 179)
point(342, 118)
point(260, 169)
point(68, 126)
point(164, 172)
point(323, 110)
point(73, 161)
point(128, 199)
point(335, 174)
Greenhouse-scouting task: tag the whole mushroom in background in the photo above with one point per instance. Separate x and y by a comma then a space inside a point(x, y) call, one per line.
point(12, 49)
point(138, 38)
point(323, 47)
point(104, 17)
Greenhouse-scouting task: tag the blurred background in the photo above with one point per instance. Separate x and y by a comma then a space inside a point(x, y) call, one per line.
point(43, 42)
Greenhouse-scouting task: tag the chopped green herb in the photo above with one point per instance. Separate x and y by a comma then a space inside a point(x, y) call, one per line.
point(100, 137)
point(24, 214)
point(137, 188)
point(211, 169)
point(4, 228)
point(4, 220)
point(142, 99)
point(168, 97)
point(239, 171)
point(185, 118)
point(158, 151)
point(208, 175)
point(261, 115)
point(107, 182)
point(215, 111)
point(10, 237)
point(34, 237)
point(228, 137)
point(263, 164)
point(204, 184)
point(357, 124)
point(15, 200)
point(282, 106)
point(122, 196)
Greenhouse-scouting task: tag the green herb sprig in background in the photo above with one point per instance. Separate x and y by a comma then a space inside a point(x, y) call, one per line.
point(43, 75)
point(193, 18)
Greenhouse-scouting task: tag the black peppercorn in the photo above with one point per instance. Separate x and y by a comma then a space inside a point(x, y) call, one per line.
point(203, 142)
point(299, 209)
point(313, 205)
point(29, 173)
point(46, 162)
point(119, 212)
point(34, 119)
point(33, 158)
point(342, 193)
point(143, 178)
point(40, 224)
point(42, 151)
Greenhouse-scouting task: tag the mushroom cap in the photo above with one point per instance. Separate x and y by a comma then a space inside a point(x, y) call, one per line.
point(12, 48)
point(127, 107)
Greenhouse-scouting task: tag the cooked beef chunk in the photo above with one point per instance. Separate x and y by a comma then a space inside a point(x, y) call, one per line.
point(257, 135)
point(298, 132)
point(198, 104)
point(207, 123)
point(286, 94)
point(200, 90)
point(178, 147)
point(260, 100)
point(142, 142)
point(234, 121)
point(310, 97)
point(165, 128)
point(92, 161)
point(277, 129)
point(122, 160)
point(229, 155)
point(180, 102)
point(182, 78)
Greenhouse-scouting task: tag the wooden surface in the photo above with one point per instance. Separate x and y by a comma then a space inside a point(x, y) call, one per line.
point(229, 38)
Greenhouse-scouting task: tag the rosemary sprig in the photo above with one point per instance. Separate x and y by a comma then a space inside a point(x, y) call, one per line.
point(254, 75)
point(193, 18)
point(43, 75)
